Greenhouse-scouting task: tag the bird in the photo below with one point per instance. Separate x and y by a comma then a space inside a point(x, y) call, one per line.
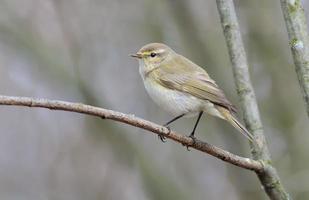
point(182, 88)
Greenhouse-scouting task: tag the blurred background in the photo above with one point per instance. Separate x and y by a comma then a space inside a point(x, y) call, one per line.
point(78, 51)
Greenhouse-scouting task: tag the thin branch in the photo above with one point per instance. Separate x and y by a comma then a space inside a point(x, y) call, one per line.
point(205, 147)
point(269, 178)
point(296, 25)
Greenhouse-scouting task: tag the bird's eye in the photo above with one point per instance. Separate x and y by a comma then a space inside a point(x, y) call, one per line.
point(153, 55)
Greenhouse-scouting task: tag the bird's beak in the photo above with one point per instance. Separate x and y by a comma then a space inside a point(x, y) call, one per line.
point(137, 55)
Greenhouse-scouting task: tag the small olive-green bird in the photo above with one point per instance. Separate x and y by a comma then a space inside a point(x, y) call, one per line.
point(183, 88)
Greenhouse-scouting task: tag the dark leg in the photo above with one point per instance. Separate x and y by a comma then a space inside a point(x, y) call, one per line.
point(174, 119)
point(161, 137)
point(192, 133)
point(196, 123)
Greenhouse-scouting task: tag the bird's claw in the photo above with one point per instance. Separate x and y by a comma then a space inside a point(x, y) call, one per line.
point(168, 128)
point(193, 139)
point(162, 137)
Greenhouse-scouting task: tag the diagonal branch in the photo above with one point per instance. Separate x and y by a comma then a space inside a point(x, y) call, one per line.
point(205, 147)
point(269, 178)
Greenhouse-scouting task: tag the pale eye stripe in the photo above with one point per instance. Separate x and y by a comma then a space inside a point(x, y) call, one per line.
point(160, 51)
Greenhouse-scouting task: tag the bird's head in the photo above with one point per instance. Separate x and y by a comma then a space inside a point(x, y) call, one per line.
point(153, 54)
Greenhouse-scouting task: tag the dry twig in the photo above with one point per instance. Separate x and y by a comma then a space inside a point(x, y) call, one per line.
point(205, 147)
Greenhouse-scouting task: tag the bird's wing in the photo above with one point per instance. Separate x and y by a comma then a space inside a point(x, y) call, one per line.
point(177, 74)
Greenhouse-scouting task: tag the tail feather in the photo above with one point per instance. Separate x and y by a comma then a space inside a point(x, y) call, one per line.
point(241, 128)
point(233, 121)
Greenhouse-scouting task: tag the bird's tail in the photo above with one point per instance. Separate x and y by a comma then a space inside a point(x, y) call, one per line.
point(233, 120)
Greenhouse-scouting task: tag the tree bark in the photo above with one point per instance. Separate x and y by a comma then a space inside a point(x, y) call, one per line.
point(269, 178)
point(297, 29)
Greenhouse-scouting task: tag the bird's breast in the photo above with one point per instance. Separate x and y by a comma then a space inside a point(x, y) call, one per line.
point(173, 101)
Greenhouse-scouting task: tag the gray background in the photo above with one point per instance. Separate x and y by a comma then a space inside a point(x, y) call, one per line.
point(78, 51)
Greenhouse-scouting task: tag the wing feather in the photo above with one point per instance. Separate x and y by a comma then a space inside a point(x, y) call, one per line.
point(177, 74)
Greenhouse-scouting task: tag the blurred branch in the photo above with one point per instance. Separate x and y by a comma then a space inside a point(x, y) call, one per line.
point(269, 178)
point(226, 156)
point(188, 30)
point(296, 25)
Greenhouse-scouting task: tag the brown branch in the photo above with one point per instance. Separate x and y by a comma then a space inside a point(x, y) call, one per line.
point(205, 147)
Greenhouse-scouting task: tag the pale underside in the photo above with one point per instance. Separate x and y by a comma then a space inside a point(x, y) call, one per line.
point(177, 103)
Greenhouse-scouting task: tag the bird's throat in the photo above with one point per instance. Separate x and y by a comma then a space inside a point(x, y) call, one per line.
point(145, 73)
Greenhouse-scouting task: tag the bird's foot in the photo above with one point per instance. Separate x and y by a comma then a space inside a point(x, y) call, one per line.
point(162, 137)
point(193, 139)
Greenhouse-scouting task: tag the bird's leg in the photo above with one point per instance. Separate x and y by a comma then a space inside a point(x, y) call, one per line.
point(192, 133)
point(174, 119)
point(161, 137)
point(196, 123)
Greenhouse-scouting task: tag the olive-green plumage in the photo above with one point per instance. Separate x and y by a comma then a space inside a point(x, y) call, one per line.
point(182, 87)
